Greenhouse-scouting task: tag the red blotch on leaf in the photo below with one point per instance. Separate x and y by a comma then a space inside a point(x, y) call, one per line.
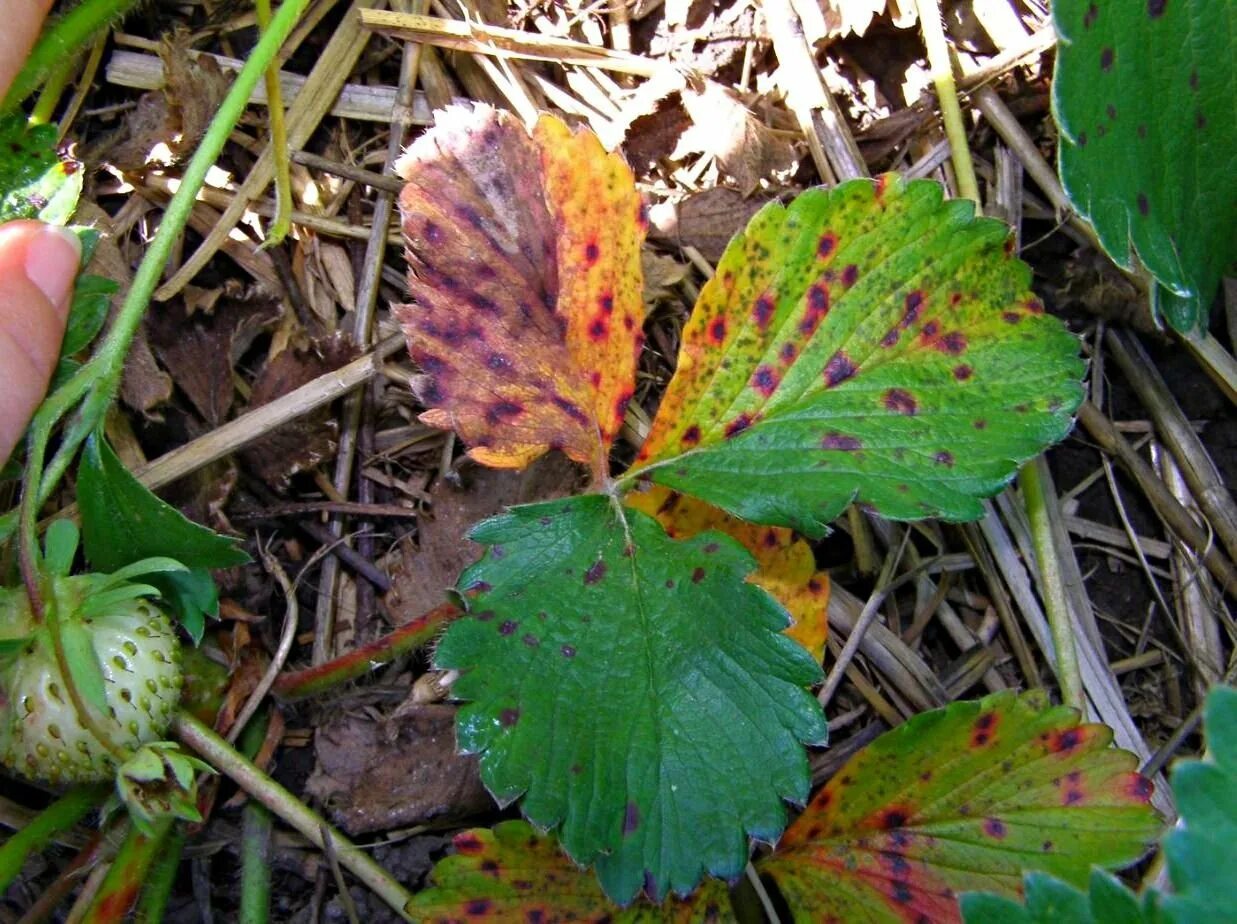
point(1066, 741)
point(834, 440)
point(984, 729)
point(827, 245)
point(591, 252)
point(850, 275)
point(691, 436)
point(952, 343)
point(838, 369)
point(502, 411)
point(762, 311)
point(895, 816)
point(738, 425)
point(962, 372)
point(598, 328)
point(788, 353)
point(631, 818)
point(817, 308)
point(606, 302)
point(901, 401)
point(717, 330)
point(995, 828)
point(1139, 788)
point(913, 307)
point(468, 843)
point(764, 380)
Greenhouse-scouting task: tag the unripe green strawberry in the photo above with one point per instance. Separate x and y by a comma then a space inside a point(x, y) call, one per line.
point(137, 653)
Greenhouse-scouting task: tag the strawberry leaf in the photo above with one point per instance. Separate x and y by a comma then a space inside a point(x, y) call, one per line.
point(868, 342)
point(1051, 901)
point(963, 798)
point(1143, 95)
point(524, 272)
point(513, 873)
point(670, 730)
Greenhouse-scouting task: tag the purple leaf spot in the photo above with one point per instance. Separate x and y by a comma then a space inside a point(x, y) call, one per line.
point(595, 572)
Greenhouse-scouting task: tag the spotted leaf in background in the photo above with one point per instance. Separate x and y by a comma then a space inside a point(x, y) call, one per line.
point(512, 873)
point(636, 691)
point(35, 182)
point(964, 798)
point(785, 565)
point(1143, 95)
point(525, 284)
point(870, 342)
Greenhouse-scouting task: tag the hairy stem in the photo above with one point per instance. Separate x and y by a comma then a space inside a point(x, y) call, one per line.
point(291, 810)
point(1052, 587)
point(57, 817)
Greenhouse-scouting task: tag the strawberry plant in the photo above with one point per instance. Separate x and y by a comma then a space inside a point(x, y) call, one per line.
point(868, 344)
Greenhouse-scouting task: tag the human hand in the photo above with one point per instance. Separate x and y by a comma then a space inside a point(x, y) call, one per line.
point(37, 268)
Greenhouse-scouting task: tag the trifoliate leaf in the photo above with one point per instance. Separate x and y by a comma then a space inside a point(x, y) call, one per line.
point(1143, 95)
point(869, 342)
point(785, 565)
point(963, 798)
point(636, 691)
point(512, 873)
point(34, 181)
point(524, 272)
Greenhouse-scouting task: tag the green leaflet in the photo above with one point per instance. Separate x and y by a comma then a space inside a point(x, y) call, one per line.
point(512, 873)
point(123, 522)
point(1143, 95)
point(34, 182)
point(1199, 853)
point(870, 342)
point(963, 798)
point(636, 691)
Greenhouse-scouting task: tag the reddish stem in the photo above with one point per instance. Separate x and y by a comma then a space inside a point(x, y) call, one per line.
point(312, 680)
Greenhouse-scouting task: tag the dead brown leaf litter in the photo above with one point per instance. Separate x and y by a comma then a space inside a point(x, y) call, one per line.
point(721, 107)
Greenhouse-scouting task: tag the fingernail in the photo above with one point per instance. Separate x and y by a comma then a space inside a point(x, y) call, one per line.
point(52, 257)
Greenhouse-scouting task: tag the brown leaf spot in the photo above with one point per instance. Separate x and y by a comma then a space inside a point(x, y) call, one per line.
point(901, 401)
point(571, 409)
point(468, 843)
point(433, 233)
point(788, 353)
point(1155, 8)
point(764, 380)
point(508, 627)
point(850, 275)
point(891, 339)
point(717, 330)
point(531, 640)
point(838, 369)
point(945, 457)
point(606, 302)
point(979, 423)
point(1089, 17)
point(896, 816)
point(490, 867)
point(962, 372)
point(591, 252)
point(1082, 139)
point(697, 575)
point(691, 436)
point(835, 440)
point(827, 245)
point(994, 828)
point(1107, 57)
point(599, 328)
point(568, 651)
point(711, 547)
point(595, 572)
point(1011, 317)
point(508, 717)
